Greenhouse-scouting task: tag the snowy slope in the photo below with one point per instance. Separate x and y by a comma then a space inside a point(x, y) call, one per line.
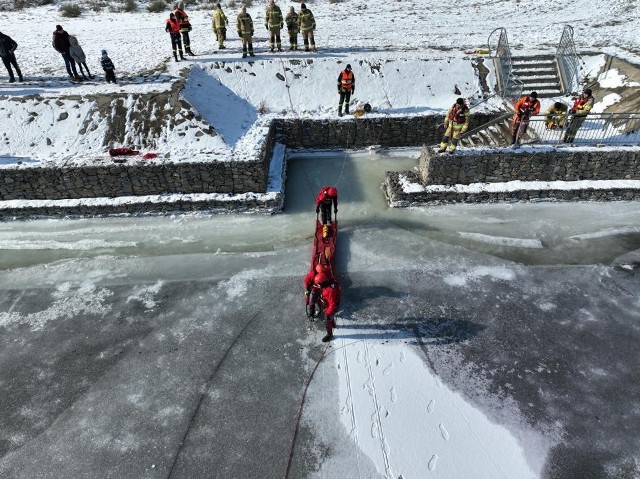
point(407, 56)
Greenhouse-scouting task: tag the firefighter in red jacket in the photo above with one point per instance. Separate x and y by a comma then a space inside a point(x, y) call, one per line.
point(328, 195)
point(455, 123)
point(346, 86)
point(525, 107)
point(329, 291)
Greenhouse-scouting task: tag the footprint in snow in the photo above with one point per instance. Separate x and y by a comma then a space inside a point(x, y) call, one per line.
point(431, 406)
point(432, 462)
point(444, 432)
point(387, 370)
point(394, 397)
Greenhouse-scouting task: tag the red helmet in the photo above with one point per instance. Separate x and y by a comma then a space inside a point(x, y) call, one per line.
point(320, 278)
point(333, 192)
point(320, 268)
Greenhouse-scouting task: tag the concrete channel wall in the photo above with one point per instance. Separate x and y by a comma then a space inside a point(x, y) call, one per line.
point(243, 182)
point(440, 176)
point(137, 178)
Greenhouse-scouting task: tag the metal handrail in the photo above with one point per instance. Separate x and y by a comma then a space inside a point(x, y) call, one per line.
point(568, 61)
point(594, 129)
point(511, 86)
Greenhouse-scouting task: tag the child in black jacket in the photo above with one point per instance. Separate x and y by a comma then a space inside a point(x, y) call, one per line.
point(108, 67)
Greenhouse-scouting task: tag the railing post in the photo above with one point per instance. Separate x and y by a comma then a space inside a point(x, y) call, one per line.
point(568, 61)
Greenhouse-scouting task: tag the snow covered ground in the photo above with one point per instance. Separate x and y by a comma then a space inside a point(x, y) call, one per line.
point(159, 295)
point(408, 58)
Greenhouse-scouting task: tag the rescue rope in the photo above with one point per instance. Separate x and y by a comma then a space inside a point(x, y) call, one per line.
point(299, 413)
point(288, 87)
point(205, 391)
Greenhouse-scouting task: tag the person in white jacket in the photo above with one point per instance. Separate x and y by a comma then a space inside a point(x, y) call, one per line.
point(76, 52)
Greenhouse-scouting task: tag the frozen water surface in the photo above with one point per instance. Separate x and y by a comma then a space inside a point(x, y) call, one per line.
point(532, 233)
point(488, 338)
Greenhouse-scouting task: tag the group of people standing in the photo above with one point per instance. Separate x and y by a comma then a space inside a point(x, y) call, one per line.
point(178, 27)
point(557, 116)
point(73, 54)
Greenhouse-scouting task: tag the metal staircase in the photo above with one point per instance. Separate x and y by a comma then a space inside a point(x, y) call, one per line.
point(538, 73)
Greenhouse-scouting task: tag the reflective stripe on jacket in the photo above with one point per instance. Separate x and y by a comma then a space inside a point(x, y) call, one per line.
point(306, 20)
point(219, 19)
point(274, 17)
point(347, 80)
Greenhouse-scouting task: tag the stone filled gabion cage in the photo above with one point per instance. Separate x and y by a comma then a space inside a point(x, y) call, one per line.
point(250, 176)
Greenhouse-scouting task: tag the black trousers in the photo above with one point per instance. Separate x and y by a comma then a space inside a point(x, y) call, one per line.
point(186, 42)
point(110, 76)
point(10, 60)
point(176, 44)
point(345, 95)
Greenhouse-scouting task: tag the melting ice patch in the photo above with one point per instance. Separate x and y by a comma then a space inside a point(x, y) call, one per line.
point(495, 272)
point(237, 285)
point(80, 245)
point(146, 295)
point(503, 240)
point(411, 425)
point(85, 300)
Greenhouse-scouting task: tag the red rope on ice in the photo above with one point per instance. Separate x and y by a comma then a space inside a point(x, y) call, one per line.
point(299, 415)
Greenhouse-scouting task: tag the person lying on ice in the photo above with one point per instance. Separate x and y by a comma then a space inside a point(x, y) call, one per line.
point(329, 292)
point(327, 195)
point(308, 279)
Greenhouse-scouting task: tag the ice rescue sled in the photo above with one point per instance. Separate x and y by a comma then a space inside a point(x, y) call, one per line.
point(324, 246)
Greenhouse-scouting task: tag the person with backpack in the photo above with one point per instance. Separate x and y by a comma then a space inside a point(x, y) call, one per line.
point(7, 48)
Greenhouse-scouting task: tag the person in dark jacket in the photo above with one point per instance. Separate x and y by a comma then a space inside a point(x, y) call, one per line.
point(61, 45)
point(346, 86)
point(7, 47)
point(77, 53)
point(108, 67)
point(172, 27)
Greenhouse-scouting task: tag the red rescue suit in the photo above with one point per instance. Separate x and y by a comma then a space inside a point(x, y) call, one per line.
point(328, 195)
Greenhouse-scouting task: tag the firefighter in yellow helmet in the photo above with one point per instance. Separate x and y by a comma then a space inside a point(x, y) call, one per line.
point(244, 25)
point(455, 123)
point(219, 24)
point(307, 25)
point(292, 28)
point(274, 22)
